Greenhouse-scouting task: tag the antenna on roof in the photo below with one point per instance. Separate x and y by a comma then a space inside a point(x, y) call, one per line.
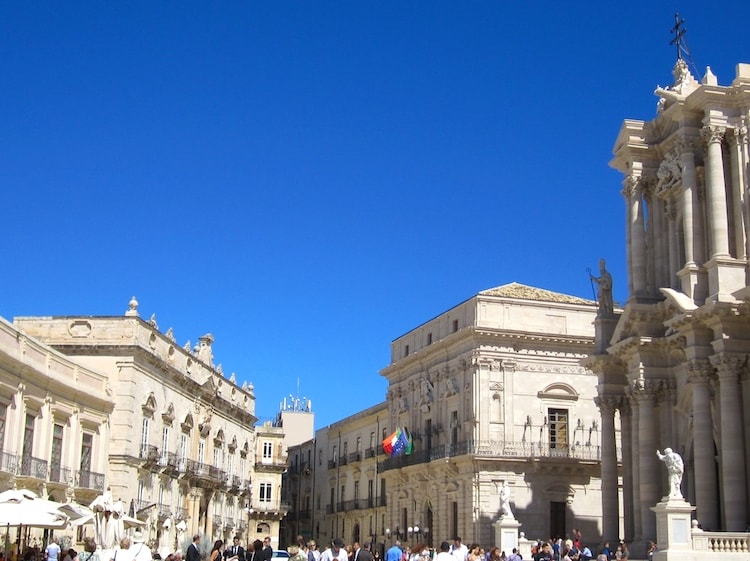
point(680, 43)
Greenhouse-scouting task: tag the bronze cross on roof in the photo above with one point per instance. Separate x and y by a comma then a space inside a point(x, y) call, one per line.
point(678, 32)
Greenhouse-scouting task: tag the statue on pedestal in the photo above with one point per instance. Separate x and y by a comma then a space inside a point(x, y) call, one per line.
point(505, 511)
point(604, 294)
point(675, 468)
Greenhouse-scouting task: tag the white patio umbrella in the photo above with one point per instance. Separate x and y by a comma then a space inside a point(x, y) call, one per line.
point(24, 508)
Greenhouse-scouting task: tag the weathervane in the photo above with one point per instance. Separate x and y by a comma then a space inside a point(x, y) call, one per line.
point(678, 31)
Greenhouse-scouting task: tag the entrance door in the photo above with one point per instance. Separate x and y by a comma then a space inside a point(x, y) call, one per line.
point(557, 512)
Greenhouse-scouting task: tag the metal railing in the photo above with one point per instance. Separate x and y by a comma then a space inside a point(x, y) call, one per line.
point(89, 480)
point(33, 467)
point(493, 449)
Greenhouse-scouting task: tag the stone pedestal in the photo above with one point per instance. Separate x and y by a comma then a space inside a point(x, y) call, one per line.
point(673, 528)
point(506, 533)
point(604, 328)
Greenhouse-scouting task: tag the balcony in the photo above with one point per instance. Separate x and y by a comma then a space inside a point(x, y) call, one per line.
point(355, 457)
point(8, 462)
point(169, 461)
point(370, 453)
point(33, 467)
point(59, 474)
point(163, 511)
point(494, 449)
point(343, 460)
point(89, 480)
point(149, 455)
point(180, 513)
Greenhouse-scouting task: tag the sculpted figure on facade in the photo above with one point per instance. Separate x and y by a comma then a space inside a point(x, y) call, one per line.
point(427, 391)
point(675, 468)
point(668, 175)
point(451, 388)
point(604, 295)
point(505, 511)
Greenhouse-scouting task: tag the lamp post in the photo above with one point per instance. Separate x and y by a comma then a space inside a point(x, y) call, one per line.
point(396, 532)
point(415, 531)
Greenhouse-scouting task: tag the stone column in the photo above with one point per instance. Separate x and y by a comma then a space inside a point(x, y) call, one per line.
point(733, 483)
point(704, 462)
point(693, 281)
point(638, 237)
point(635, 451)
point(674, 247)
point(610, 500)
point(649, 481)
point(626, 436)
point(627, 189)
point(716, 191)
point(689, 197)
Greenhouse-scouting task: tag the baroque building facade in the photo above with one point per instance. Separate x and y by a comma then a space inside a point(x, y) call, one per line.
point(673, 365)
point(493, 392)
point(177, 441)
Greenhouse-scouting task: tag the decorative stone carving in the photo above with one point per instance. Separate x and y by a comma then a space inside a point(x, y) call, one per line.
point(204, 352)
point(152, 322)
point(170, 335)
point(427, 391)
point(668, 175)
point(451, 387)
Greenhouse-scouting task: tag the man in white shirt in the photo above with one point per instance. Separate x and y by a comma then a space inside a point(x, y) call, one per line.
point(459, 551)
point(53, 550)
point(336, 552)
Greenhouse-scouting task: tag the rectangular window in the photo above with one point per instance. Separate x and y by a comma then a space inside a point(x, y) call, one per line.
point(183, 452)
point(28, 437)
point(558, 428)
point(454, 327)
point(140, 490)
point(202, 451)
point(359, 444)
point(369, 493)
point(217, 457)
point(3, 420)
point(265, 492)
point(87, 447)
point(267, 450)
point(406, 350)
point(144, 437)
point(55, 460)
point(454, 427)
point(356, 490)
point(164, 443)
point(429, 338)
point(372, 440)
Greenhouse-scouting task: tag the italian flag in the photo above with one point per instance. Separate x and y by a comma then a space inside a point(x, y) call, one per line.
point(390, 441)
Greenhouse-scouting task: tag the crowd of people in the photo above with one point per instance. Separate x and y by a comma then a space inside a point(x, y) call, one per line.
point(556, 549)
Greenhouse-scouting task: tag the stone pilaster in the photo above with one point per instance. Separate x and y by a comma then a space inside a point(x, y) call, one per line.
point(704, 462)
point(733, 483)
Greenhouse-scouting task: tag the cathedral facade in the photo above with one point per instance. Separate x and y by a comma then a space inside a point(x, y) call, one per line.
point(673, 366)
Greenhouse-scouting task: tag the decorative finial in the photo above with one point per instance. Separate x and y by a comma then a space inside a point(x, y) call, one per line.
point(132, 308)
point(153, 323)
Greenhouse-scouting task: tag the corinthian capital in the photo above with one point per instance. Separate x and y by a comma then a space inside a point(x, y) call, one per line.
point(607, 404)
point(699, 371)
point(685, 145)
point(713, 133)
point(728, 364)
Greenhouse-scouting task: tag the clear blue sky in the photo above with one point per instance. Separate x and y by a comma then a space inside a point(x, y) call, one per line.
point(309, 180)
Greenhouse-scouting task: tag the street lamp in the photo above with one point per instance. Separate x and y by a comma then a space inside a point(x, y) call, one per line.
point(396, 532)
point(416, 531)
